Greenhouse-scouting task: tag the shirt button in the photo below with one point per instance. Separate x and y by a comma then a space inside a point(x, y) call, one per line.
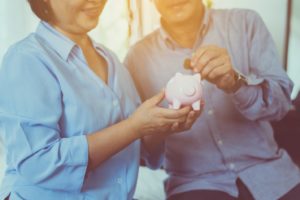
point(231, 166)
point(115, 103)
point(210, 112)
point(220, 142)
point(119, 180)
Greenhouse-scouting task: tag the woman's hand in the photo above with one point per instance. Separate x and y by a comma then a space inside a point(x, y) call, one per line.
point(150, 119)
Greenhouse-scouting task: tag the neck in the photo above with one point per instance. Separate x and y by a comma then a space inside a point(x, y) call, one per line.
point(185, 33)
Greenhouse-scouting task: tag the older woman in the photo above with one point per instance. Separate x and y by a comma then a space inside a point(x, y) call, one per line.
point(67, 112)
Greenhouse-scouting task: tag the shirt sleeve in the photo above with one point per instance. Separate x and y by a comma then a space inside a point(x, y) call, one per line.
point(30, 111)
point(267, 95)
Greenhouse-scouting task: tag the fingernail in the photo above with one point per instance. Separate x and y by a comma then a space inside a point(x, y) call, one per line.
point(192, 63)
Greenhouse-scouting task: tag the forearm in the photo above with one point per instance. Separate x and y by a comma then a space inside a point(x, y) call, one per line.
point(105, 143)
point(266, 101)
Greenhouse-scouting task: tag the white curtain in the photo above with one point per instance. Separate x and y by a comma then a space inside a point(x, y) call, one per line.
point(16, 21)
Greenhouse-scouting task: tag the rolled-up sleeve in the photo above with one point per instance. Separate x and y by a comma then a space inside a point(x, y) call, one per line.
point(267, 95)
point(30, 112)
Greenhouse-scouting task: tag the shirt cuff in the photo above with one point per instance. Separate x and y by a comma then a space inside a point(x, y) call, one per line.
point(242, 94)
point(78, 157)
point(153, 159)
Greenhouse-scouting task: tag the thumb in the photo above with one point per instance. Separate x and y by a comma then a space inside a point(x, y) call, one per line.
point(155, 100)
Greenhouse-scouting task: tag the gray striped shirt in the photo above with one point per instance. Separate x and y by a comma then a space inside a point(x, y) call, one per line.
point(233, 137)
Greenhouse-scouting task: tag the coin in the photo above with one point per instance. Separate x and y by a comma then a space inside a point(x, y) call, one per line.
point(187, 63)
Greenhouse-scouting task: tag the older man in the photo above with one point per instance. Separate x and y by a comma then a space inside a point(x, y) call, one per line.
point(230, 152)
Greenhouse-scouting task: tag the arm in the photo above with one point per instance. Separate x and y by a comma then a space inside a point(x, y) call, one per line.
point(30, 112)
point(266, 96)
point(147, 120)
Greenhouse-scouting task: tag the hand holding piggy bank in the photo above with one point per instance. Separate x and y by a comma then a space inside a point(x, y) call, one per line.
point(183, 90)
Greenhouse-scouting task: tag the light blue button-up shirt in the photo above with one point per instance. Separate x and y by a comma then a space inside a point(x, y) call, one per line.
point(49, 101)
point(232, 138)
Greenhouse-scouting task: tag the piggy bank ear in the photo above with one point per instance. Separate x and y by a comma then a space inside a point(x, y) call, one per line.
point(197, 77)
point(178, 74)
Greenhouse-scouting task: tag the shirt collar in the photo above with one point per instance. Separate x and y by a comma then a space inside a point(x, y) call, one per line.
point(170, 42)
point(59, 42)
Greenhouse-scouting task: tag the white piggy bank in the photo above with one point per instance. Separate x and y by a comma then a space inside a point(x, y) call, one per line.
point(183, 90)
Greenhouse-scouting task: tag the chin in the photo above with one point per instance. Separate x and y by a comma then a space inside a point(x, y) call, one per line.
point(89, 25)
point(179, 19)
point(183, 15)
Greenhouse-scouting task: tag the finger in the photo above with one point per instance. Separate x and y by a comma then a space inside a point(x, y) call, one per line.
point(211, 65)
point(198, 113)
point(171, 122)
point(193, 116)
point(197, 55)
point(204, 60)
point(175, 127)
point(202, 102)
point(176, 120)
point(165, 128)
point(155, 100)
point(216, 62)
point(174, 114)
point(199, 52)
point(217, 72)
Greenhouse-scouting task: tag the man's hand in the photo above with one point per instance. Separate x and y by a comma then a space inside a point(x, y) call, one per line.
point(190, 120)
point(215, 65)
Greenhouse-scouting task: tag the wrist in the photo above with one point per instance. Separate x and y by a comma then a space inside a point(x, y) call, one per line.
point(239, 81)
point(133, 127)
